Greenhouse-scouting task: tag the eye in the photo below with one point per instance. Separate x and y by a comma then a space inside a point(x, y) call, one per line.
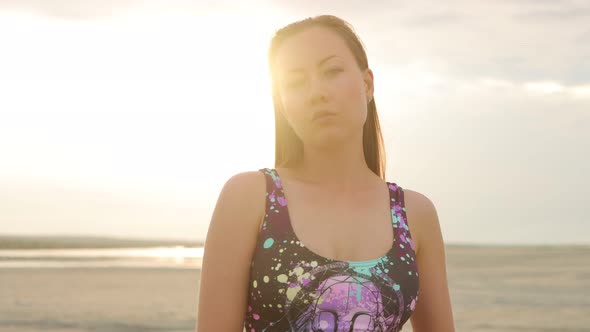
point(295, 83)
point(333, 71)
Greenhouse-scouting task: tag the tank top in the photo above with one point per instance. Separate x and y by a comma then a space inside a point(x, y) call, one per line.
point(295, 289)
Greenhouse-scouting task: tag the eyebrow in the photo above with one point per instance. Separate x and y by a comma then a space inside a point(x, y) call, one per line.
point(319, 63)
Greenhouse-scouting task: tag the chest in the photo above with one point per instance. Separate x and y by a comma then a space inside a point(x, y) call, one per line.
point(349, 227)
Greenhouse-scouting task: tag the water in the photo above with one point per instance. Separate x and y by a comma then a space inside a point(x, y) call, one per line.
point(164, 257)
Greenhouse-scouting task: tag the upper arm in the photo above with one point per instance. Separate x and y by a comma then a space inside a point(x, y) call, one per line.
point(433, 310)
point(229, 246)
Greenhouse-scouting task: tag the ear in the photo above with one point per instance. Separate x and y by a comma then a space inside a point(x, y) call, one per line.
point(369, 86)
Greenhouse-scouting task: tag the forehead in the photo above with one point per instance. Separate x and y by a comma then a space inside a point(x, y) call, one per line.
point(308, 47)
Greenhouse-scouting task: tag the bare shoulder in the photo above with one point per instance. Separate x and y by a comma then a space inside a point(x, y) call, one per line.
point(422, 217)
point(248, 185)
point(229, 248)
point(245, 191)
point(249, 180)
point(433, 311)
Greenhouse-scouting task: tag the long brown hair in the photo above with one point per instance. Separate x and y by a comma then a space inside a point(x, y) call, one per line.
point(288, 146)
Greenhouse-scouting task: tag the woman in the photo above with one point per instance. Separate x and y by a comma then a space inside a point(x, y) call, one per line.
point(313, 245)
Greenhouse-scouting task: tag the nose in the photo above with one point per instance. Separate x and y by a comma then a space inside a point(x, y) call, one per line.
point(317, 91)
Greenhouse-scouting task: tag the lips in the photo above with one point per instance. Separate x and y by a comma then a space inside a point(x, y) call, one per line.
point(321, 114)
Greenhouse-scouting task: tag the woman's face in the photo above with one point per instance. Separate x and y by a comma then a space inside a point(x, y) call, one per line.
point(316, 72)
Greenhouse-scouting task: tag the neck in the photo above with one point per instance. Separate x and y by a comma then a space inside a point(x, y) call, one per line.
point(341, 166)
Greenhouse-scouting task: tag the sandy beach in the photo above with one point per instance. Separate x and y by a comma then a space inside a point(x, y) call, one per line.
point(493, 289)
point(98, 299)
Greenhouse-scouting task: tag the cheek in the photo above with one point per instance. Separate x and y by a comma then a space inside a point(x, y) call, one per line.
point(351, 99)
point(353, 89)
point(350, 85)
point(348, 93)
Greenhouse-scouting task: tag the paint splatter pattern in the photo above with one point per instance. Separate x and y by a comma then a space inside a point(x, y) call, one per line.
point(294, 289)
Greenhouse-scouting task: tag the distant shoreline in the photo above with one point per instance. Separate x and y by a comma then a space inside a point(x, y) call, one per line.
point(11, 242)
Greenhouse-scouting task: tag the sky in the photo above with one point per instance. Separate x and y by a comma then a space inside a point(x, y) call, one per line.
point(125, 118)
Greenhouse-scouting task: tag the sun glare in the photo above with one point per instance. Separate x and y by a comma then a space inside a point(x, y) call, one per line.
point(104, 96)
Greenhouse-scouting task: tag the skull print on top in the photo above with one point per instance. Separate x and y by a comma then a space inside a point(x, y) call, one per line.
point(294, 289)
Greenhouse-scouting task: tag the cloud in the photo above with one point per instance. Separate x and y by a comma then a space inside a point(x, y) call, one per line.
point(435, 20)
point(553, 88)
point(568, 69)
point(76, 9)
point(584, 37)
point(558, 13)
point(475, 39)
point(538, 88)
point(544, 87)
point(70, 9)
